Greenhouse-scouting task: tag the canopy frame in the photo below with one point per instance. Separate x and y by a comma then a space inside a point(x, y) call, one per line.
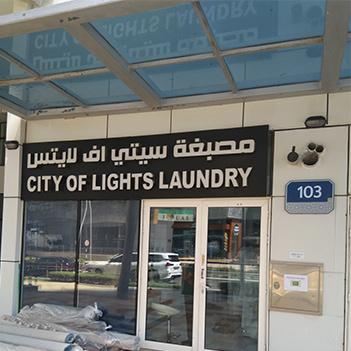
point(75, 17)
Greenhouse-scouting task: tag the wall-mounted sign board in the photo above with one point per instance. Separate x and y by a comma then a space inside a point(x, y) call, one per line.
point(214, 163)
point(174, 215)
point(309, 197)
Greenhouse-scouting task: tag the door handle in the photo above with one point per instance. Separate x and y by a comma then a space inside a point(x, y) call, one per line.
point(204, 287)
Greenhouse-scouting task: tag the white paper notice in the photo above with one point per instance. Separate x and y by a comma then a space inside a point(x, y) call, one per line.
point(294, 282)
point(294, 255)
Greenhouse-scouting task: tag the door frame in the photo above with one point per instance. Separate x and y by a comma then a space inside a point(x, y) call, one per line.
point(347, 328)
point(202, 206)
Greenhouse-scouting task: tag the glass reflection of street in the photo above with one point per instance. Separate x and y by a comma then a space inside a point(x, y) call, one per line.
point(170, 300)
point(102, 268)
point(232, 284)
point(232, 278)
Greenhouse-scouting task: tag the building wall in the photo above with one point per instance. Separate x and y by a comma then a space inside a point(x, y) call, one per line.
point(10, 6)
point(321, 238)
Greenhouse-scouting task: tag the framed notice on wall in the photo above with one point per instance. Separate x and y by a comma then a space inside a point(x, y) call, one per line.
point(216, 163)
point(296, 287)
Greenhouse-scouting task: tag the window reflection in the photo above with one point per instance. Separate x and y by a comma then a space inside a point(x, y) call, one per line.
point(109, 260)
point(49, 252)
point(233, 253)
point(171, 275)
point(105, 263)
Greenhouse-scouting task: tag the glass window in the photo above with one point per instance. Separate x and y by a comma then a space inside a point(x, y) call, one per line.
point(103, 268)
point(193, 78)
point(30, 96)
point(246, 23)
point(170, 285)
point(49, 252)
point(271, 68)
point(10, 71)
point(109, 239)
point(345, 71)
point(159, 34)
point(117, 258)
point(49, 52)
point(232, 284)
point(98, 89)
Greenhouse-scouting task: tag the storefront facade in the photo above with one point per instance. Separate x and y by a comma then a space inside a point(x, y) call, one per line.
point(177, 271)
point(212, 237)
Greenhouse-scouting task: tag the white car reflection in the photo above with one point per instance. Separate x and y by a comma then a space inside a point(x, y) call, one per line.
point(162, 266)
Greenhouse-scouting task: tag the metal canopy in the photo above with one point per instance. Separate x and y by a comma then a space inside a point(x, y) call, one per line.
point(91, 57)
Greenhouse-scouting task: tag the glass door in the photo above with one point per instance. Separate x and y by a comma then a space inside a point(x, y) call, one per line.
point(168, 276)
point(233, 278)
point(203, 275)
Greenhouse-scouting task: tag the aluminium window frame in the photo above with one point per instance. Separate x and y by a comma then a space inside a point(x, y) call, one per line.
point(77, 252)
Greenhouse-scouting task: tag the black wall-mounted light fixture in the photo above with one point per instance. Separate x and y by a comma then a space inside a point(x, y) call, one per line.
point(309, 158)
point(11, 144)
point(315, 122)
point(293, 156)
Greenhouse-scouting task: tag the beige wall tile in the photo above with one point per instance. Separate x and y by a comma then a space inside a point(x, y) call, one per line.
point(145, 123)
point(339, 108)
point(12, 229)
point(285, 113)
point(210, 117)
point(322, 238)
point(12, 176)
point(66, 129)
point(15, 128)
point(9, 287)
point(332, 163)
point(292, 331)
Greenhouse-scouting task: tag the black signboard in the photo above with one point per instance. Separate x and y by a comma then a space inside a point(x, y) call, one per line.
point(216, 163)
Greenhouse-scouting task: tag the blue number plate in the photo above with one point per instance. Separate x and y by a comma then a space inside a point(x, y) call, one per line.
point(309, 197)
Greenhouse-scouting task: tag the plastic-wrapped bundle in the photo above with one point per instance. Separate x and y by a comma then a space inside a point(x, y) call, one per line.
point(83, 324)
point(8, 347)
point(11, 347)
point(37, 344)
point(59, 318)
point(111, 341)
point(15, 329)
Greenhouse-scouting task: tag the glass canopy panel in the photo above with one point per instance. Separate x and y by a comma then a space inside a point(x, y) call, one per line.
point(345, 71)
point(153, 35)
point(50, 52)
point(98, 89)
point(10, 71)
point(252, 22)
point(286, 66)
point(193, 78)
point(34, 96)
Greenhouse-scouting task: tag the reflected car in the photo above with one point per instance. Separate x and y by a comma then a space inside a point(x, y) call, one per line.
point(40, 266)
point(166, 265)
point(162, 265)
point(112, 266)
